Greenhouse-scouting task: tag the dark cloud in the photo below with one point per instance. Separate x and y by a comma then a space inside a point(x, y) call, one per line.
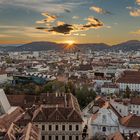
point(41, 28)
point(55, 26)
point(63, 29)
point(67, 10)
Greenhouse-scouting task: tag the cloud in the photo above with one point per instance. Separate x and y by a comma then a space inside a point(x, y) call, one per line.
point(135, 12)
point(129, 7)
point(75, 17)
point(5, 36)
point(49, 17)
point(93, 23)
point(67, 10)
point(99, 10)
point(64, 28)
point(77, 34)
point(55, 6)
point(136, 32)
point(41, 28)
point(138, 2)
point(60, 23)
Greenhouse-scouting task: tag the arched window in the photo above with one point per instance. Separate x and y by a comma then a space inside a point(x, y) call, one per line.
point(104, 129)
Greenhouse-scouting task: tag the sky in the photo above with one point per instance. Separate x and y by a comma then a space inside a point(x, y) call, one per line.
point(81, 21)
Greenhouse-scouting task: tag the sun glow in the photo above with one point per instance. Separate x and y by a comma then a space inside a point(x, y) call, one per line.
point(69, 45)
point(70, 42)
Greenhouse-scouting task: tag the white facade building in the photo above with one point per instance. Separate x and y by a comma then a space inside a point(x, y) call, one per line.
point(129, 79)
point(125, 107)
point(4, 103)
point(109, 89)
point(105, 122)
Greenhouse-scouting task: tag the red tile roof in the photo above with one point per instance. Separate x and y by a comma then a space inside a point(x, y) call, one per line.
point(135, 100)
point(130, 77)
point(130, 121)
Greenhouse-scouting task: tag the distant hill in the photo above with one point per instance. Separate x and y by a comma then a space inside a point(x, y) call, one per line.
point(127, 46)
point(94, 46)
point(44, 46)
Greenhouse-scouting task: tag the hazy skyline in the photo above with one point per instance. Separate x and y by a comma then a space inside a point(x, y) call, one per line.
point(82, 21)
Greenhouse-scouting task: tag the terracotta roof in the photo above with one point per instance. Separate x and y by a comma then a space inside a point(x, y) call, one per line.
point(84, 67)
point(99, 101)
point(7, 119)
point(109, 85)
point(12, 131)
point(130, 121)
point(116, 136)
point(130, 77)
point(135, 100)
point(27, 133)
point(30, 132)
point(55, 108)
point(2, 72)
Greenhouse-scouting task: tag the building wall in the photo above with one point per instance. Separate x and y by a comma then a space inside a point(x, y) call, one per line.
point(109, 90)
point(135, 109)
point(132, 87)
point(3, 78)
point(127, 130)
point(4, 103)
point(120, 108)
point(106, 122)
point(125, 110)
point(60, 133)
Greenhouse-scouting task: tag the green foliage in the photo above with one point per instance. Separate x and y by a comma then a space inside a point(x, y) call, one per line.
point(127, 93)
point(85, 96)
point(48, 87)
point(8, 60)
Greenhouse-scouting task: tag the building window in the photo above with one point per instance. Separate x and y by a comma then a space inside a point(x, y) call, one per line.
point(63, 137)
point(77, 138)
point(63, 127)
point(57, 117)
point(56, 137)
point(104, 129)
point(43, 137)
point(50, 137)
point(77, 127)
point(104, 119)
point(70, 127)
point(70, 137)
point(56, 127)
point(50, 127)
point(43, 127)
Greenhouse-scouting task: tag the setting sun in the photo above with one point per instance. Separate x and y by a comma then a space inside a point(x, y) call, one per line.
point(70, 42)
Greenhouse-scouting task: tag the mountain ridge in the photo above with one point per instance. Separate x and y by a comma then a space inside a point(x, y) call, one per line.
point(44, 46)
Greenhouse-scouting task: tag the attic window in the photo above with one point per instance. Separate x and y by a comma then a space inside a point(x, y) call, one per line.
point(57, 117)
point(75, 116)
point(40, 118)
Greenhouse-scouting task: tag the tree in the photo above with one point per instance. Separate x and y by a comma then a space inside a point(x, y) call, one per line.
point(70, 87)
point(127, 92)
point(85, 96)
point(37, 89)
point(48, 88)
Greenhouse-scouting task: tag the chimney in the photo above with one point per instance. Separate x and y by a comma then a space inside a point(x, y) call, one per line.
point(65, 100)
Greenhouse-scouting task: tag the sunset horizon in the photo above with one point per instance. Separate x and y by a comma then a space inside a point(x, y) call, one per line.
point(91, 21)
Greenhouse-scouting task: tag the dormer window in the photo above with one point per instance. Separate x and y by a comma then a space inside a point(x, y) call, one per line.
point(57, 117)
